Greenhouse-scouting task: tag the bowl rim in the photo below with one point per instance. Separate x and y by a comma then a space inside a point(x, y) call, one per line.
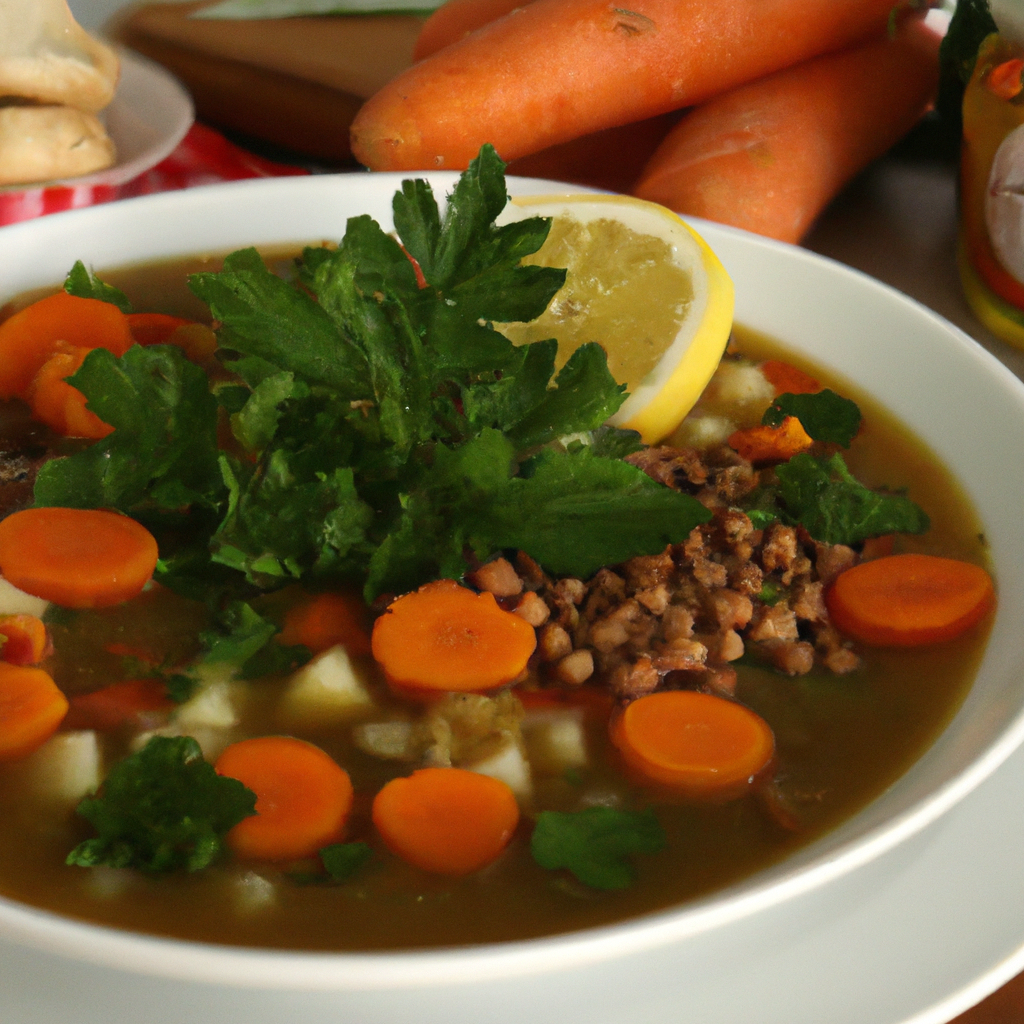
point(367, 971)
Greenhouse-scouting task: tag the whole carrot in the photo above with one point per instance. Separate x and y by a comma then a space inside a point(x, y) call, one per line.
point(456, 19)
point(558, 69)
point(770, 155)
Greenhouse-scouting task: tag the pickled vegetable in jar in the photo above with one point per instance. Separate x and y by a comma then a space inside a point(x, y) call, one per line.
point(991, 249)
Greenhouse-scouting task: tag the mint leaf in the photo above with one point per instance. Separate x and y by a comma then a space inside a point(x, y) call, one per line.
point(825, 415)
point(834, 507)
point(162, 809)
point(596, 844)
point(82, 282)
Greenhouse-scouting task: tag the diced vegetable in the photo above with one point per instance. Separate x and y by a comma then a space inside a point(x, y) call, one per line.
point(32, 707)
point(326, 691)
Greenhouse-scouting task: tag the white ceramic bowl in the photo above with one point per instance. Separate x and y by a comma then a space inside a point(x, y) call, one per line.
point(957, 398)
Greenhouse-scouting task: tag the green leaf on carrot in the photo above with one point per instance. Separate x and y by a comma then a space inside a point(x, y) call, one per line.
point(161, 809)
point(596, 844)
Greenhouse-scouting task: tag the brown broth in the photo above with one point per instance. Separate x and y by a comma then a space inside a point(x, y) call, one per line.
point(841, 740)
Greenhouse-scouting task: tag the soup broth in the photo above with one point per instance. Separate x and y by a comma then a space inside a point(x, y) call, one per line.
point(840, 741)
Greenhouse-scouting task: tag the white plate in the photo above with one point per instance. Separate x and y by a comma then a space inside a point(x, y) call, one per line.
point(854, 928)
point(148, 116)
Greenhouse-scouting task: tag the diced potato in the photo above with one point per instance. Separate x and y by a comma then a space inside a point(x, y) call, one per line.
point(703, 432)
point(741, 383)
point(388, 740)
point(253, 892)
point(555, 741)
point(16, 602)
point(214, 706)
point(327, 690)
point(67, 767)
point(509, 765)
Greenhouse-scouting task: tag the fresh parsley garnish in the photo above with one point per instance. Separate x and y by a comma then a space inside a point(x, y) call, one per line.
point(343, 860)
point(83, 283)
point(163, 808)
point(382, 431)
point(596, 844)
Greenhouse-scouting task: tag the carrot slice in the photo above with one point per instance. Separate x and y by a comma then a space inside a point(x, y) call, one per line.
point(771, 444)
point(703, 747)
point(325, 620)
point(196, 340)
point(112, 706)
point(448, 821)
point(59, 404)
point(77, 558)
point(29, 338)
point(24, 639)
point(788, 379)
point(31, 709)
point(449, 638)
point(303, 797)
point(908, 600)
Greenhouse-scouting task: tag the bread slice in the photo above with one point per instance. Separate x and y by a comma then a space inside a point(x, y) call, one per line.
point(43, 143)
point(46, 56)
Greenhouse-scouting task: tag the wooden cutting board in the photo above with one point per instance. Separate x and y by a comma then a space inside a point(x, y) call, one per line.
point(294, 82)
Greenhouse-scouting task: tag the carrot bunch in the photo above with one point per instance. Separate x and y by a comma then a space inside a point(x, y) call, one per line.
point(753, 113)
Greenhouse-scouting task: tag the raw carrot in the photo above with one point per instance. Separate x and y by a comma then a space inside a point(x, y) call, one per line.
point(770, 155)
point(701, 746)
point(908, 600)
point(444, 637)
point(771, 444)
point(115, 705)
point(448, 821)
point(24, 639)
point(788, 379)
point(31, 709)
point(303, 797)
point(559, 69)
point(456, 19)
point(77, 558)
point(322, 621)
point(611, 159)
point(28, 338)
point(59, 404)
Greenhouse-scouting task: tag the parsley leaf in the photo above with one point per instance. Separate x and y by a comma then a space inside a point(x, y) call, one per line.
point(825, 415)
point(162, 809)
point(834, 507)
point(86, 285)
point(595, 844)
point(343, 860)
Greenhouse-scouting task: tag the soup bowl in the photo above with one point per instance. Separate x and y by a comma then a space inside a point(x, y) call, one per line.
point(955, 397)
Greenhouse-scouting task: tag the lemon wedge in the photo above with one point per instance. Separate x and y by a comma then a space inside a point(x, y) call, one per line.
point(643, 285)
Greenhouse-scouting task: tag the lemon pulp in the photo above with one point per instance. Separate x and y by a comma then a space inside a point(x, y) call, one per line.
point(645, 287)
